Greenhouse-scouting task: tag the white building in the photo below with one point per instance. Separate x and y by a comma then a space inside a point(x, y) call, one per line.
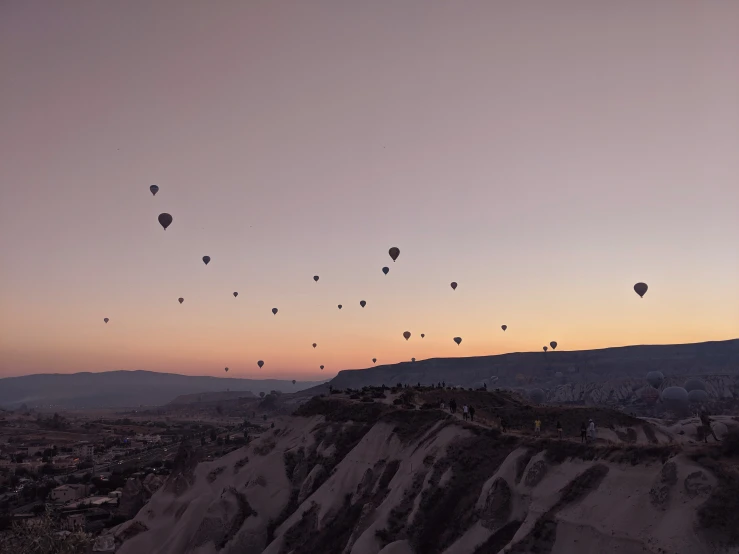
point(84, 450)
point(65, 493)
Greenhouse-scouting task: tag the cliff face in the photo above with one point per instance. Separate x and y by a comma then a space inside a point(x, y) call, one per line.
point(366, 478)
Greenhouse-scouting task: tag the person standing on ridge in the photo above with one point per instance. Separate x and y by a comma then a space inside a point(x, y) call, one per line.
point(583, 432)
point(706, 421)
point(591, 430)
point(537, 426)
point(503, 425)
point(465, 412)
point(559, 429)
point(472, 413)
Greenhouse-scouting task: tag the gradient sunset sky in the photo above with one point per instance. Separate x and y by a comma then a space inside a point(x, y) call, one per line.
point(545, 155)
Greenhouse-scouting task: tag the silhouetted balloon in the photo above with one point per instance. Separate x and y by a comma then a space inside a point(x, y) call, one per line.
point(413, 359)
point(504, 327)
point(675, 398)
point(650, 395)
point(106, 320)
point(537, 396)
point(655, 378)
point(694, 384)
point(154, 189)
point(315, 278)
point(339, 306)
point(165, 220)
point(385, 270)
point(545, 349)
point(314, 345)
point(260, 363)
point(226, 370)
point(641, 289)
point(362, 303)
point(407, 335)
point(274, 311)
point(206, 260)
point(321, 368)
point(458, 340)
point(454, 285)
point(697, 396)
point(180, 300)
point(553, 344)
point(236, 294)
point(422, 335)
point(293, 381)
point(374, 360)
point(394, 252)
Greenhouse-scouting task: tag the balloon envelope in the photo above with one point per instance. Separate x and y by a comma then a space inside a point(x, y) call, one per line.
point(154, 189)
point(314, 345)
point(504, 327)
point(454, 285)
point(374, 360)
point(226, 370)
point(236, 294)
point(385, 270)
point(315, 278)
point(206, 260)
point(274, 311)
point(180, 300)
point(260, 363)
point(293, 381)
point(321, 367)
point(545, 349)
point(694, 384)
point(394, 252)
point(537, 395)
point(407, 335)
point(362, 303)
point(458, 340)
point(106, 320)
point(675, 398)
point(165, 220)
point(655, 378)
point(697, 396)
point(553, 344)
point(422, 335)
point(339, 306)
point(650, 395)
point(641, 289)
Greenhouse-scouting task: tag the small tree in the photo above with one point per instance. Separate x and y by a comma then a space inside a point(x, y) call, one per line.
point(41, 536)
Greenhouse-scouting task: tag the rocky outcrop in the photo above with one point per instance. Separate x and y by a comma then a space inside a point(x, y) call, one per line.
point(536, 473)
point(152, 483)
point(497, 507)
point(132, 499)
point(659, 494)
point(697, 484)
point(311, 482)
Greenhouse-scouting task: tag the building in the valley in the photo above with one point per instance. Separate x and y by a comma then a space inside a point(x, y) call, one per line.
point(65, 493)
point(84, 450)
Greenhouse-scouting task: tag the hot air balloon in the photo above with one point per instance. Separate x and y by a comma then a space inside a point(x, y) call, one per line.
point(374, 360)
point(165, 220)
point(321, 368)
point(537, 395)
point(407, 335)
point(422, 335)
point(649, 395)
point(106, 320)
point(694, 384)
point(697, 396)
point(413, 359)
point(553, 344)
point(314, 345)
point(180, 300)
point(394, 252)
point(655, 378)
point(386, 270)
point(339, 306)
point(260, 363)
point(154, 189)
point(675, 399)
point(362, 303)
point(545, 349)
point(293, 381)
point(504, 327)
point(274, 311)
point(236, 294)
point(458, 340)
point(315, 278)
point(641, 289)
point(226, 370)
point(454, 285)
point(206, 260)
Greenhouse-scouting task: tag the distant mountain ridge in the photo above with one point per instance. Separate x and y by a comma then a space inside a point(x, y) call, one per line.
point(119, 389)
point(577, 366)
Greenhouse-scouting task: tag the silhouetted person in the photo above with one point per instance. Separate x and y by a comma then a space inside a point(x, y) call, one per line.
point(537, 426)
point(559, 429)
point(453, 406)
point(706, 421)
point(503, 425)
point(472, 413)
point(583, 432)
point(465, 412)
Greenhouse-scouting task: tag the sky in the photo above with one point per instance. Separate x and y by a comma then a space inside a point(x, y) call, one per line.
point(544, 155)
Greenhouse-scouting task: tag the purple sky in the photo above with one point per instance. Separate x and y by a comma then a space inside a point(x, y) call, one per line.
point(544, 155)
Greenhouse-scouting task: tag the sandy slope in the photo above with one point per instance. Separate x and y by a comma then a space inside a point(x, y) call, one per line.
point(390, 479)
